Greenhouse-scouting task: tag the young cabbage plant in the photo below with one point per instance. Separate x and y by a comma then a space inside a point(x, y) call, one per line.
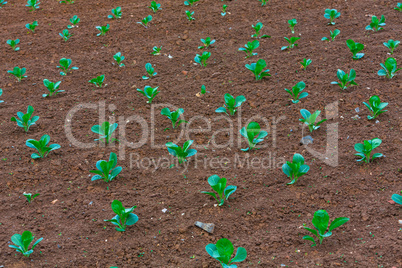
point(206, 43)
point(156, 50)
point(257, 69)
point(223, 12)
point(249, 48)
point(375, 106)
point(67, 2)
point(263, 2)
point(149, 92)
point(116, 13)
point(310, 119)
point(332, 14)
point(103, 30)
point(292, 23)
point(155, 6)
point(203, 89)
point(398, 7)
point(190, 2)
point(189, 15)
point(355, 48)
point(202, 59)
point(1, 93)
point(65, 35)
point(30, 197)
point(320, 222)
point(98, 81)
point(32, 26)
point(219, 185)
point(332, 34)
point(52, 87)
point(364, 149)
point(306, 63)
point(144, 22)
point(389, 68)
point(119, 58)
point(257, 28)
point(376, 24)
point(345, 80)
point(292, 42)
point(18, 73)
point(65, 66)
point(296, 168)
point(296, 92)
point(24, 120)
point(107, 170)
point(124, 216)
point(231, 104)
point(397, 198)
point(13, 44)
point(391, 45)
point(22, 242)
point(173, 116)
point(3, 2)
point(105, 132)
point(223, 251)
point(41, 146)
point(74, 21)
point(150, 70)
point(181, 153)
point(253, 134)
point(33, 4)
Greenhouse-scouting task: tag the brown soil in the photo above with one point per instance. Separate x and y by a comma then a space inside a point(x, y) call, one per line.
point(265, 215)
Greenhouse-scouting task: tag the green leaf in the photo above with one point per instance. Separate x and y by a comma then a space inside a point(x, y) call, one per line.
point(320, 221)
point(229, 190)
point(131, 219)
point(307, 237)
point(338, 222)
point(212, 251)
point(225, 250)
point(395, 197)
point(240, 256)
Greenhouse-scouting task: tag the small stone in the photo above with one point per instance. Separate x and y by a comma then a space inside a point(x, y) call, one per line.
point(400, 221)
point(306, 140)
point(164, 210)
point(357, 110)
point(209, 227)
point(184, 72)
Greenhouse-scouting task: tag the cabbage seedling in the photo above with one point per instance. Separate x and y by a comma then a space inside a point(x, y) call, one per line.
point(98, 81)
point(223, 251)
point(355, 48)
point(23, 241)
point(202, 59)
point(150, 70)
point(206, 42)
point(376, 24)
point(149, 92)
point(102, 30)
point(375, 106)
point(189, 15)
point(41, 146)
point(391, 45)
point(291, 41)
point(155, 6)
point(219, 185)
point(1, 93)
point(31, 26)
point(173, 116)
point(253, 134)
point(190, 2)
point(3, 2)
point(52, 87)
point(144, 22)
point(320, 222)
point(13, 44)
point(107, 170)
point(65, 66)
point(257, 69)
point(309, 119)
point(397, 199)
point(345, 80)
point(203, 89)
point(292, 23)
point(332, 14)
point(305, 63)
point(24, 120)
point(65, 35)
point(30, 197)
point(18, 73)
point(257, 28)
point(67, 2)
point(263, 2)
point(116, 13)
point(296, 168)
point(398, 7)
point(388, 68)
point(296, 92)
point(181, 153)
point(124, 216)
point(332, 34)
point(105, 132)
point(33, 4)
point(249, 48)
point(156, 51)
point(364, 149)
point(231, 104)
point(119, 58)
point(74, 20)
point(224, 7)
